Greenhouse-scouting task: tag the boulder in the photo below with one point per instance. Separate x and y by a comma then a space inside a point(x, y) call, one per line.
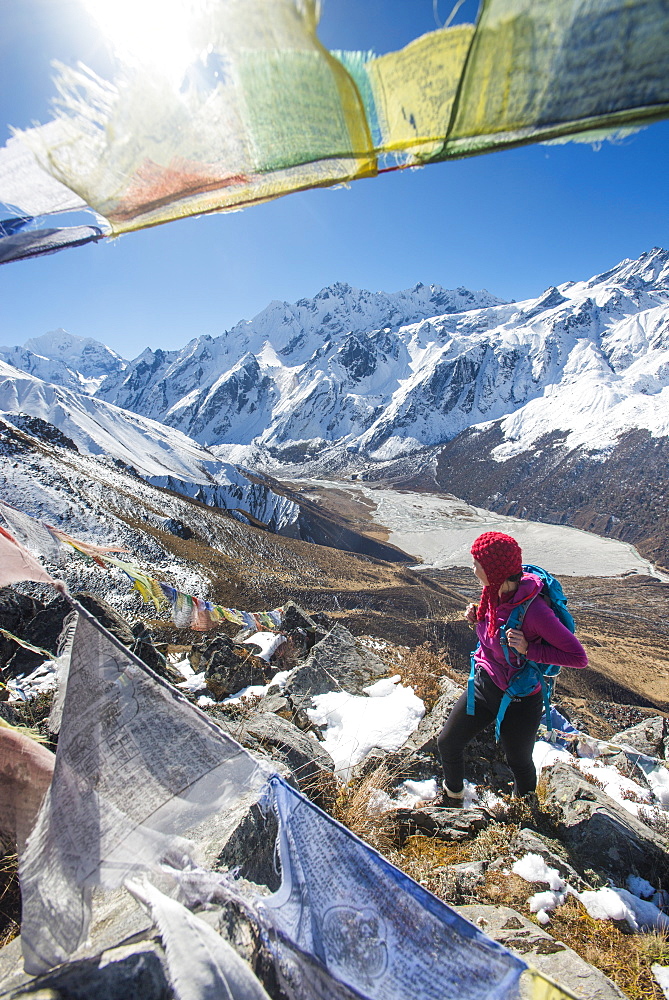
point(249, 850)
point(444, 824)
point(106, 615)
point(144, 647)
point(650, 737)
point(602, 834)
point(45, 628)
point(229, 668)
point(529, 842)
point(336, 662)
point(276, 703)
point(195, 656)
point(126, 971)
point(293, 617)
point(42, 630)
point(16, 610)
point(424, 739)
point(273, 736)
point(538, 948)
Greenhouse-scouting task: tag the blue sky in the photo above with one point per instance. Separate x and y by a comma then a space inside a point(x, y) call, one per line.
point(513, 222)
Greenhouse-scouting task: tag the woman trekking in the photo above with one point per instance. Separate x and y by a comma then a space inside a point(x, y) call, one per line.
point(543, 638)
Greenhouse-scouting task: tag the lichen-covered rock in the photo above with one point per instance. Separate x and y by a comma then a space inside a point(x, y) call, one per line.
point(42, 630)
point(145, 648)
point(249, 850)
point(530, 842)
point(16, 610)
point(276, 703)
point(118, 974)
point(650, 737)
point(538, 948)
point(445, 824)
point(229, 668)
point(603, 835)
point(299, 752)
point(294, 617)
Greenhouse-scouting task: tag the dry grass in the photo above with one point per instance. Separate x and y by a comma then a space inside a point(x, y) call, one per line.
point(353, 806)
point(657, 819)
point(33, 718)
point(10, 897)
point(624, 957)
point(421, 668)
point(427, 861)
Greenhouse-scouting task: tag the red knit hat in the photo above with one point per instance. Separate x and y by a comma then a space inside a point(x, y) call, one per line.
point(500, 557)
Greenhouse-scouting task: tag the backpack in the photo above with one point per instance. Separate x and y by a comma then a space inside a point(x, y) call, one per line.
point(529, 673)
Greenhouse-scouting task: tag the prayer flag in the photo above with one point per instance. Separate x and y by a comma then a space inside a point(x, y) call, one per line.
point(201, 964)
point(261, 108)
point(17, 564)
point(136, 765)
point(377, 932)
point(26, 768)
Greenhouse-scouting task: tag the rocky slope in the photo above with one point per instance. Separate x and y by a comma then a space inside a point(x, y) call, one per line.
point(161, 456)
point(228, 556)
point(581, 827)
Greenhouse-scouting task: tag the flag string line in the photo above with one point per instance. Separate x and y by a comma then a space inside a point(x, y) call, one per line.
point(201, 615)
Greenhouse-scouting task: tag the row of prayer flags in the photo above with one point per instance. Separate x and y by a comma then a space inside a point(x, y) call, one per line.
point(187, 611)
point(261, 108)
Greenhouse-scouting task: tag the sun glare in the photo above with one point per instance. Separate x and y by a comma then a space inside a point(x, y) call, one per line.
point(151, 33)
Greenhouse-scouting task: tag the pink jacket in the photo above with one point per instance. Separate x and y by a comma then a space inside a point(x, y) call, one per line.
point(549, 640)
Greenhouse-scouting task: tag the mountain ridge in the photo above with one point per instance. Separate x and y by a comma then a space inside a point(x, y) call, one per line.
point(355, 381)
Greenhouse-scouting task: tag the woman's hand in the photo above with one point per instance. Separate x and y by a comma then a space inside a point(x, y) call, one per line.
point(470, 613)
point(517, 641)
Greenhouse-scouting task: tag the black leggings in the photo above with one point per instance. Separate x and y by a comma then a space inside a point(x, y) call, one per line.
point(517, 733)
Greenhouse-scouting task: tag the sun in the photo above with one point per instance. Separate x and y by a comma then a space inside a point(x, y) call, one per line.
point(154, 34)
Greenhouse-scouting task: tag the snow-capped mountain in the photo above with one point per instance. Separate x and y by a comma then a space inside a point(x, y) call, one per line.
point(162, 456)
point(79, 363)
point(573, 383)
point(382, 378)
point(320, 368)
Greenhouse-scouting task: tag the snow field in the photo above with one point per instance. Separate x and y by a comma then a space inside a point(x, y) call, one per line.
point(615, 784)
point(608, 903)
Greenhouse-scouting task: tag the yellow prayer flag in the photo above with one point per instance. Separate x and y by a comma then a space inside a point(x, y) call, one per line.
point(414, 89)
point(541, 987)
point(542, 69)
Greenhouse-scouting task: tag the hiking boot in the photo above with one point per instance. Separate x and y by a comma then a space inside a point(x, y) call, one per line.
point(451, 800)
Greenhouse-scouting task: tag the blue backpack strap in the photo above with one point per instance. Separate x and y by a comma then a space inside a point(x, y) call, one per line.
point(470, 685)
point(501, 712)
point(515, 620)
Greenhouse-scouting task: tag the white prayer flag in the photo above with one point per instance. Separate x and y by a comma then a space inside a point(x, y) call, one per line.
point(137, 766)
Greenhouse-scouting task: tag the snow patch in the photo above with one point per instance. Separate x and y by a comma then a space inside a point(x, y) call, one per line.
point(354, 724)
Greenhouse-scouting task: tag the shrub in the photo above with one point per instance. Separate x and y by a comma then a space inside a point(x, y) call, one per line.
point(422, 668)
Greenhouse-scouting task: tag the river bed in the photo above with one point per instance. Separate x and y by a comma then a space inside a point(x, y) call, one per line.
point(439, 530)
